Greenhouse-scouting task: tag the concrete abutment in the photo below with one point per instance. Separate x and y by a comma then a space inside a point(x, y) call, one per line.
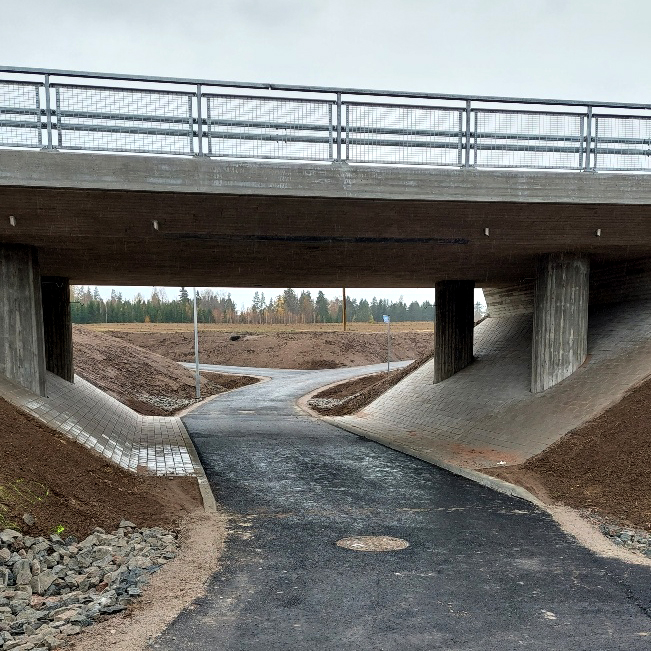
point(560, 318)
point(454, 327)
point(22, 345)
point(35, 321)
point(57, 325)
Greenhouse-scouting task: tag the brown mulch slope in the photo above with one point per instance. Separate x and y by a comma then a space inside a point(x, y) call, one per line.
point(368, 387)
point(603, 466)
point(300, 350)
point(62, 484)
point(126, 371)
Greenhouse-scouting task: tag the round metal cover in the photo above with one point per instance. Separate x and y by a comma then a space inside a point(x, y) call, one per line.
point(373, 543)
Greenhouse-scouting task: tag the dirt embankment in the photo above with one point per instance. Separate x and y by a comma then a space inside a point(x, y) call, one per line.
point(299, 350)
point(603, 466)
point(349, 397)
point(144, 380)
point(62, 484)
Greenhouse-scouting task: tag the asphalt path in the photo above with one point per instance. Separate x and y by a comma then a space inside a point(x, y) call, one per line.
point(482, 571)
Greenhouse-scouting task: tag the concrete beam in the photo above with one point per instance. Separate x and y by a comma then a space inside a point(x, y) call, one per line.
point(454, 327)
point(161, 174)
point(57, 325)
point(560, 318)
point(22, 348)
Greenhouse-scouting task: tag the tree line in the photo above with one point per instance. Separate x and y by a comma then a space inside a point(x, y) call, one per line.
point(289, 307)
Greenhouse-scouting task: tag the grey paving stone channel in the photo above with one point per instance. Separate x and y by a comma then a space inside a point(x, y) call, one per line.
point(482, 571)
point(486, 413)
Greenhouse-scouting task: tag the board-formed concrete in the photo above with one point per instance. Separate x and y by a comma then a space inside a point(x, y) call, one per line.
point(560, 318)
point(454, 327)
point(57, 325)
point(142, 220)
point(22, 347)
point(486, 413)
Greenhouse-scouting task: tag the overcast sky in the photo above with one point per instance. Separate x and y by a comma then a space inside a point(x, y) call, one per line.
point(573, 49)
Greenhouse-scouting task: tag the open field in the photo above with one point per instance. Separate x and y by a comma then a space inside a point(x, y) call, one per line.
point(298, 349)
point(252, 328)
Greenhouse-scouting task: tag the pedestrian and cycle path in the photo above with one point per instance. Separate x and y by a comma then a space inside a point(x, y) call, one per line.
point(482, 571)
point(486, 414)
point(154, 444)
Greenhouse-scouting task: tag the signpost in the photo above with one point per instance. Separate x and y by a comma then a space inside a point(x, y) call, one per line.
point(387, 320)
point(197, 377)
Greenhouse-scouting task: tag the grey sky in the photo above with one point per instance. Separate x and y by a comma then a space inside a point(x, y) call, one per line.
point(572, 49)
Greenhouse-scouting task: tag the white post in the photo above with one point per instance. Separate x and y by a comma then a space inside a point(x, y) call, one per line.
point(389, 346)
point(197, 377)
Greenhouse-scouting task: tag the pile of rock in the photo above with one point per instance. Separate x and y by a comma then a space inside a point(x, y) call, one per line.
point(635, 540)
point(330, 403)
point(51, 588)
point(167, 403)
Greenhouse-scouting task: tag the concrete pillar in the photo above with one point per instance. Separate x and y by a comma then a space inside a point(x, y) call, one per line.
point(560, 318)
point(22, 348)
point(454, 327)
point(57, 325)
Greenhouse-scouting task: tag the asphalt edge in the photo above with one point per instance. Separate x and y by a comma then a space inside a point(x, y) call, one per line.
point(207, 497)
point(495, 484)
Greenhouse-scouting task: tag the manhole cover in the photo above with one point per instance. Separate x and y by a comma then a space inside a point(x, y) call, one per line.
point(372, 543)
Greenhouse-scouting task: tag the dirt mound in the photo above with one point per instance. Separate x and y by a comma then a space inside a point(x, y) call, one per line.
point(130, 373)
point(349, 397)
point(64, 485)
point(603, 466)
point(299, 350)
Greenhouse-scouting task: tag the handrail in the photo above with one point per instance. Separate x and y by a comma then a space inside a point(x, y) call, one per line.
point(332, 124)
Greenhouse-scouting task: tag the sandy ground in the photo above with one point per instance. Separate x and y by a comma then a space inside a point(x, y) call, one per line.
point(126, 372)
point(298, 350)
point(172, 588)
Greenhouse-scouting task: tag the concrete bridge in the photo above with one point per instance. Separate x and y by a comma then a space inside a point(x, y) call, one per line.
point(543, 203)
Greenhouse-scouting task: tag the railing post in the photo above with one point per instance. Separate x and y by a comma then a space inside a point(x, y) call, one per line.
point(48, 112)
point(588, 137)
point(199, 121)
point(467, 133)
point(338, 159)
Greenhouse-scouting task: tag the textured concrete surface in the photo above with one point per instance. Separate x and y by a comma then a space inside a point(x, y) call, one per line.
point(560, 318)
point(22, 344)
point(482, 572)
point(486, 413)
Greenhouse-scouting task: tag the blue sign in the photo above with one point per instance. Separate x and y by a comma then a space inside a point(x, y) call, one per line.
point(386, 318)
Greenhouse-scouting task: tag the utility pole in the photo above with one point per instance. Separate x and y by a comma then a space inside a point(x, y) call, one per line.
point(197, 377)
point(344, 289)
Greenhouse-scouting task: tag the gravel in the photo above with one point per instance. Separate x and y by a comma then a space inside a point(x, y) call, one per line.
point(52, 588)
point(635, 540)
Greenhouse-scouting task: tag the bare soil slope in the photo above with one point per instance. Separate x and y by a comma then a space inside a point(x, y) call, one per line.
point(298, 349)
point(352, 396)
point(62, 484)
point(603, 466)
point(127, 372)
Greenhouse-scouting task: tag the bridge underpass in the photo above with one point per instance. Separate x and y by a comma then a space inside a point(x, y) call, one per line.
point(401, 194)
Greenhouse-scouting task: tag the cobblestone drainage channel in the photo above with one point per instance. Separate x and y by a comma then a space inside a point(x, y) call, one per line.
point(373, 543)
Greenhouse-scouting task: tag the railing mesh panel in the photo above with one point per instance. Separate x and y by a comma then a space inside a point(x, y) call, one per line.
point(20, 115)
point(527, 139)
point(111, 119)
point(262, 127)
point(377, 133)
point(622, 143)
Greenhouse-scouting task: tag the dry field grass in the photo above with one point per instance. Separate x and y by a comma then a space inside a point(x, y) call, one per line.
point(244, 328)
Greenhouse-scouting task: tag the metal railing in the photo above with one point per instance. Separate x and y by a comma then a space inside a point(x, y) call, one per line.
point(70, 110)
